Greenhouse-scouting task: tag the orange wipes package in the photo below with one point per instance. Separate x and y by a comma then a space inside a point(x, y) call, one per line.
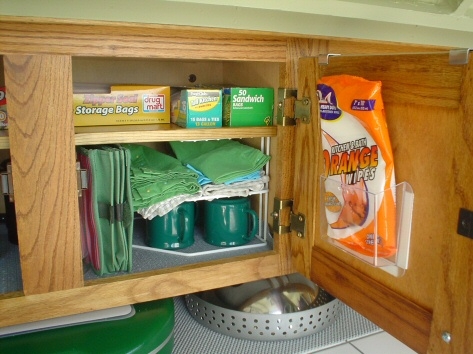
point(359, 181)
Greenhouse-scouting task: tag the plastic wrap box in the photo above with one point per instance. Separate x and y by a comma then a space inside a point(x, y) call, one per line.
point(126, 104)
point(200, 108)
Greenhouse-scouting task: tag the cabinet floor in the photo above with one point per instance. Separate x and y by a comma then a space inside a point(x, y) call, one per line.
point(190, 337)
point(381, 342)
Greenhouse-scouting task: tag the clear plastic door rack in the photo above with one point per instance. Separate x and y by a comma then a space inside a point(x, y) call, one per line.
point(400, 217)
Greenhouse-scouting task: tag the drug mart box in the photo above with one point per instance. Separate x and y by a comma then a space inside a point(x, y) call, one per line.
point(125, 104)
point(248, 106)
point(200, 108)
point(3, 108)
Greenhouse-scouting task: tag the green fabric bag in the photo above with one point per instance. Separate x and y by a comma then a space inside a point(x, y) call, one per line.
point(156, 177)
point(109, 218)
point(220, 160)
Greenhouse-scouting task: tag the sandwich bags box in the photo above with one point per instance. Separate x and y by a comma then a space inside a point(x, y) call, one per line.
point(126, 104)
point(248, 106)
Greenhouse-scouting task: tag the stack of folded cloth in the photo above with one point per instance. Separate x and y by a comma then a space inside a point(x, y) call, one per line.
point(221, 161)
point(223, 168)
point(209, 192)
point(157, 177)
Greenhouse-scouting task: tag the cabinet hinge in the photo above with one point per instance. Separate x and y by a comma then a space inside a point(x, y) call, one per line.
point(297, 221)
point(302, 108)
point(6, 180)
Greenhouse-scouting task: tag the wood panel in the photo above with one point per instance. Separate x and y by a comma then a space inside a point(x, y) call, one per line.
point(347, 46)
point(424, 145)
point(453, 311)
point(297, 139)
point(43, 161)
point(404, 319)
point(306, 136)
point(110, 39)
point(163, 132)
point(422, 82)
point(419, 130)
point(118, 291)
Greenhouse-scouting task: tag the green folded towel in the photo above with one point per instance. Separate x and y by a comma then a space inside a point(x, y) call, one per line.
point(220, 160)
point(156, 177)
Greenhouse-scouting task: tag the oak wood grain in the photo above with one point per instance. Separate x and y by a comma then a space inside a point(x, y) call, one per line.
point(307, 146)
point(119, 40)
point(388, 309)
point(422, 136)
point(453, 312)
point(421, 131)
point(163, 132)
point(118, 291)
point(42, 150)
point(153, 133)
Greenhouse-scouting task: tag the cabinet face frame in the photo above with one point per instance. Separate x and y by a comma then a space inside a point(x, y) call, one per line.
point(86, 296)
point(63, 291)
point(41, 135)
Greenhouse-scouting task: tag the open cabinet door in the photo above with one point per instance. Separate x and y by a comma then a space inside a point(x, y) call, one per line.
point(428, 104)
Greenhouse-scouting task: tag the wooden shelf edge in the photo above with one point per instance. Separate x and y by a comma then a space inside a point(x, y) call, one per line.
point(164, 132)
point(155, 133)
point(397, 315)
point(137, 288)
point(4, 140)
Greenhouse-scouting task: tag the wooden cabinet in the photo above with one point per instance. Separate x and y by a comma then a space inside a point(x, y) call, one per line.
point(427, 100)
point(428, 107)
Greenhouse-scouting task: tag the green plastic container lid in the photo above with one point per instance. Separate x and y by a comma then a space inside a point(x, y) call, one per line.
point(148, 328)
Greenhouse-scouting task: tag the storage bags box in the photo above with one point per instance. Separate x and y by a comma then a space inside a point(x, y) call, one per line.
point(117, 105)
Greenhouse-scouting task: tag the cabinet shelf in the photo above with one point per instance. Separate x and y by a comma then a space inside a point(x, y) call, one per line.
point(163, 132)
point(154, 133)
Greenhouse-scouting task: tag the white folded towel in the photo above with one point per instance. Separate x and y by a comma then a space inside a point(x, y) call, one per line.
point(208, 192)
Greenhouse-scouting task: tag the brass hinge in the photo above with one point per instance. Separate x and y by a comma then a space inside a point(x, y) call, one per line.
point(297, 221)
point(302, 108)
point(6, 180)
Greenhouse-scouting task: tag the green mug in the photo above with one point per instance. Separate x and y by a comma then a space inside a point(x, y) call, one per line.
point(173, 230)
point(229, 222)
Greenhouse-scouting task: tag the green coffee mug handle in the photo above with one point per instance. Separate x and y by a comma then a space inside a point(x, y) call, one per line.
point(183, 224)
point(254, 218)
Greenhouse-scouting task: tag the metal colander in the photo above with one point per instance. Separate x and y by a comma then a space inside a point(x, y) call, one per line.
point(266, 310)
